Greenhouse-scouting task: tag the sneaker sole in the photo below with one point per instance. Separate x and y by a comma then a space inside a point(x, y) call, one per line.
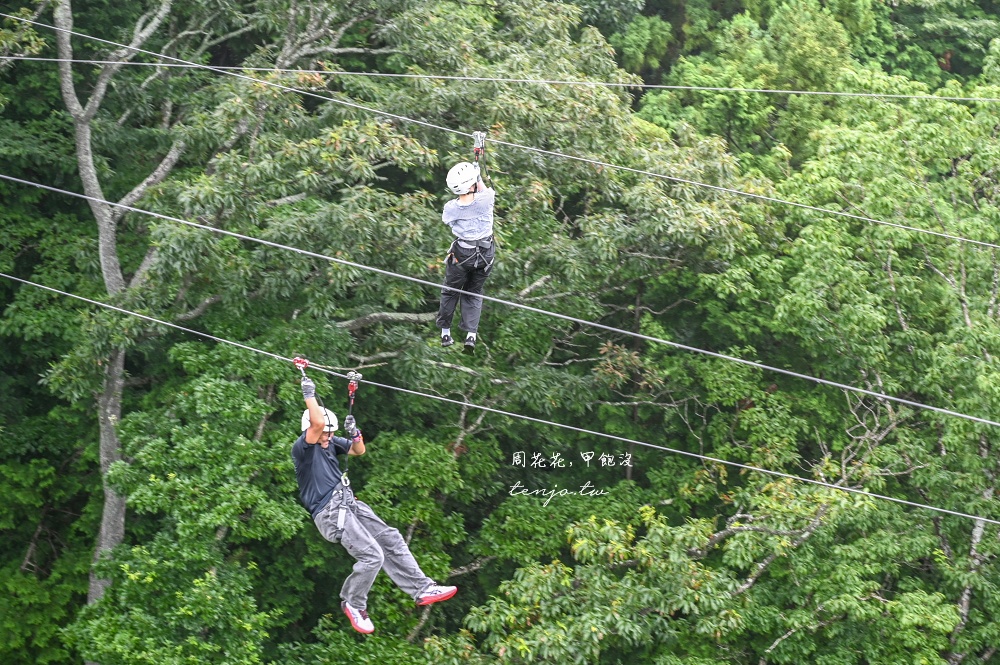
point(356, 626)
point(437, 599)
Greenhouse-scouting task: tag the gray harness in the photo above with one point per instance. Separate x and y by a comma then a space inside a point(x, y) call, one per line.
point(482, 245)
point(342, 513)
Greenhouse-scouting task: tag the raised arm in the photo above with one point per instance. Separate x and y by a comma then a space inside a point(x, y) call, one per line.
point(357, 441)
point(316, 421)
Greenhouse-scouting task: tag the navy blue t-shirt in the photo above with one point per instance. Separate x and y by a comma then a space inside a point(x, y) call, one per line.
point(317, 470)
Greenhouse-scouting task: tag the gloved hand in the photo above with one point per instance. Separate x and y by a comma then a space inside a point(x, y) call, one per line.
point(357, 438)
point(308, 388)
point(350, 427)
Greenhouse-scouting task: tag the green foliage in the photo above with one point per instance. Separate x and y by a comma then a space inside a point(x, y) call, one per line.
point(643, 44)
point(678, 559)
point(609, 15)
point(18, 38)
point(171, 603)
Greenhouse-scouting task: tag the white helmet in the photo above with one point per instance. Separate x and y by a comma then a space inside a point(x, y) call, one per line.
point(328, 415)
point(462, 177)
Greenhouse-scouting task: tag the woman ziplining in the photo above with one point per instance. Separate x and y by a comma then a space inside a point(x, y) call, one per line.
point(471, 255)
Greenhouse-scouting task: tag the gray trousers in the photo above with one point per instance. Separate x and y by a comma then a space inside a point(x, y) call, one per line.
point(465, 269)
point(374, 545)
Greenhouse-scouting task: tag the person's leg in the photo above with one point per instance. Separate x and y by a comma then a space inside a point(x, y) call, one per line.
point(472, 304)
point(454, 276)
point(360, 544)
point(399, 563)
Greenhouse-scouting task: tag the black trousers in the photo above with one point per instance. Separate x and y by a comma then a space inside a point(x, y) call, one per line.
point(466, 269)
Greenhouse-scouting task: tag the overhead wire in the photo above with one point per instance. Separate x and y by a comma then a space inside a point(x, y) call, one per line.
point(551, 153)
point(573, 319)
point(529, 81)
point(517, 305)
point(841, 386)
point(519, 416)
point(572, 157)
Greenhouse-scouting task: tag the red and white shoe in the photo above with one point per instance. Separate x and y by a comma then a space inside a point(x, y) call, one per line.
point(436, 593)
point(359, 619)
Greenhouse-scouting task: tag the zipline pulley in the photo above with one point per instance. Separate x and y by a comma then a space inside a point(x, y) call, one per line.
point(352, 387)
point(350, 428)
point(478, 144)
point(479, 150)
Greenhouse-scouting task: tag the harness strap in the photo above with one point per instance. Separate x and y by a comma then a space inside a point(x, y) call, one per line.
point(342, 511)
point(478, 254)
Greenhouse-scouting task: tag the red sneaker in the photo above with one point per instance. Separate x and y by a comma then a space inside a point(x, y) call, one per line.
point(436, 593)
point(359, 619)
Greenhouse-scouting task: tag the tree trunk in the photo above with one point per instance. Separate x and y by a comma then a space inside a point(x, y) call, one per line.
point(109, 410)
point(109, 401)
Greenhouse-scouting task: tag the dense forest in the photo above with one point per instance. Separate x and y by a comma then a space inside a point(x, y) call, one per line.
point(660, 172)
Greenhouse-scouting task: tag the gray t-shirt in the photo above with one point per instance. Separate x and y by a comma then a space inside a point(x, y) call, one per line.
point(473, 221)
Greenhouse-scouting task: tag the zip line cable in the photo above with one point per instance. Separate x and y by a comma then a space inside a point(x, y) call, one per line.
point(240, 76)
point(517, 305)
point(551, 153)
point(499, 79)
point(520, 416)
point(538, 150)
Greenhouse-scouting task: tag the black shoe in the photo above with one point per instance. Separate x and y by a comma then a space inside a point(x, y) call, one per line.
point(470, 345)
point(446, 340)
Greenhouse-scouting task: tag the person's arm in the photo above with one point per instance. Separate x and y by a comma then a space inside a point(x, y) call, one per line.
point(356, 441)
point(357, 445)
point(446, 215)
point(316, 420)
point(484, 193)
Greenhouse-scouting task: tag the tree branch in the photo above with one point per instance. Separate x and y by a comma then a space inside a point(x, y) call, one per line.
point(792, 631)
point(200, 309)
point(763, 565)
point(361, 360)
point(343, 51)
point(386, 317)
point(123, 55)
point(156, 177)
point(410, 530)
point(28, 564)
point(147, 262)
point(269, 397)
point(294, 198)
point(420, 624)
point(470, 567)
point(62, 15)
point(534, 285)
point(719, 536)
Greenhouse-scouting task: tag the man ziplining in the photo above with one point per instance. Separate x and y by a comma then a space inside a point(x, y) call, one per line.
point(341, 518)
point(470, 257)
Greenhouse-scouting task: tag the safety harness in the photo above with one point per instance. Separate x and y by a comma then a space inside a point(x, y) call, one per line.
point(481, 246)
